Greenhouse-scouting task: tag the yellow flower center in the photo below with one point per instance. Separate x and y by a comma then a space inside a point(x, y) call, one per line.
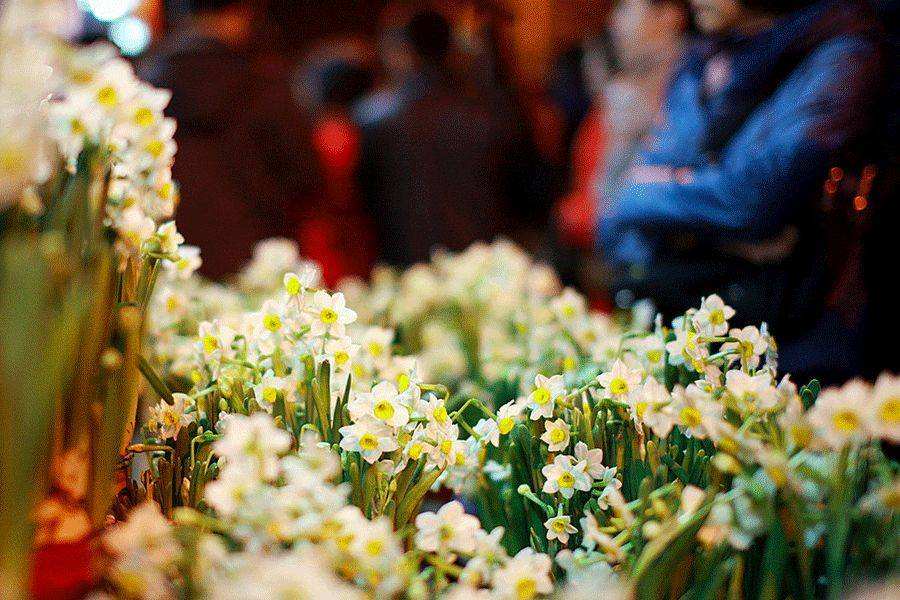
point(618, 386)
point(568, 363)
point(374, 547)
point(690, 416)
point(143, 117)
point(558, 526)
point(402, 382)
point(81, 77)
point(845, 421)
point(440, 414)
point(415, 451)
point(526, 589)
point(166, 190)
point(292, 286)
point(541, 396)
point(717, 317)
point(155, 148)
point(446, 446)
point(889, 411)
point(505, 425)
point(384, 410)
point(77, 126)
point(328, 316)
point(566, 480)
point(341, 357)
point(557, 436)
point(210, 343)
point(272, 322)
point(375, 349)
point(368, 442)
point(568, 311)
point(107, 96)
point(802, 434)
point(169, 419)
point(640, 408)
point(270, 394)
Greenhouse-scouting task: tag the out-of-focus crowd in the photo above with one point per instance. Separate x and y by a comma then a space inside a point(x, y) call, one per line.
point(681, 148)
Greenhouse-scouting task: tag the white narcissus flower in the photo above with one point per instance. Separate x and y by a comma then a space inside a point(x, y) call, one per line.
point(507, 416)
point(556, 435)
point(696, 413)
point(565, 476)
point(376, 342)
point(169, 239)
point(840, 416)
point(186, 264)
point(593, 538)
point(215, 339)
point(266, 391)
point(547, 390)
point(524, 576)
point(297, 283)
point(383, 404)
point(750, 346)
point(450, 529)
point(884, 408)
point(330, 314)
point(134, 228)
point(340, 351)
point(685, 349)
point(620, 380)
point(569, 305)
point(488, 431)
point(756, 392)
point(370, 437)
point(593, 459)
point(254, 440)
point(712, 318)
point(650, 405)
point(168, 419)
point(560, 528)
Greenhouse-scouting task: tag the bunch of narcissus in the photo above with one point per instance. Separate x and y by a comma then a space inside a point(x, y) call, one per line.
point(677, 464)
point(292, 449)
point(484, 319)
point(86, 200)
point(692, 469)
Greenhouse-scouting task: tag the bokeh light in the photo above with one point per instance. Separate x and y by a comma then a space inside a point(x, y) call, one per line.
point(131, 35)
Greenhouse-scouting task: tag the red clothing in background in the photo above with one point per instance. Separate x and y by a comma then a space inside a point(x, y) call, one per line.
point(576, 212)
point(338, 234)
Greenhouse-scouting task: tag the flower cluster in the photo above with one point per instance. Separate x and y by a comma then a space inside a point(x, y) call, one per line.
point(484, 317)
point(281, 522)
point(600, 451)
point(70, 110)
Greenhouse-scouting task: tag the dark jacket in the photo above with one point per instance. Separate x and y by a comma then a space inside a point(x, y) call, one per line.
point(726, 193)
point(244, 163)
point(435, 168)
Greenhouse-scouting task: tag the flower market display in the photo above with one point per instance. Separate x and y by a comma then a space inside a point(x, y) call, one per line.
point(464, 429)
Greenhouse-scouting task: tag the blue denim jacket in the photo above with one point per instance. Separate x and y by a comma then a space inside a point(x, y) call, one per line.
point(747, 132)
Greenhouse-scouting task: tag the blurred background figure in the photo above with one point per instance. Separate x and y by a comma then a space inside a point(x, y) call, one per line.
point(726, 194)
point(245, 165)
point(744, 147)
point(337, 231)
point(438, 164)
point(625, 70)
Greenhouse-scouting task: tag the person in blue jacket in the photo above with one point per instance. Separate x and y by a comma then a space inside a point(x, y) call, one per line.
point(726, 194)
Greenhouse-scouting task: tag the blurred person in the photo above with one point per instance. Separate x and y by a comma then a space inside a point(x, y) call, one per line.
point(337, 233)
point(626, 69)
point(726, 193)
point(435, 164)
point(245, 167)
